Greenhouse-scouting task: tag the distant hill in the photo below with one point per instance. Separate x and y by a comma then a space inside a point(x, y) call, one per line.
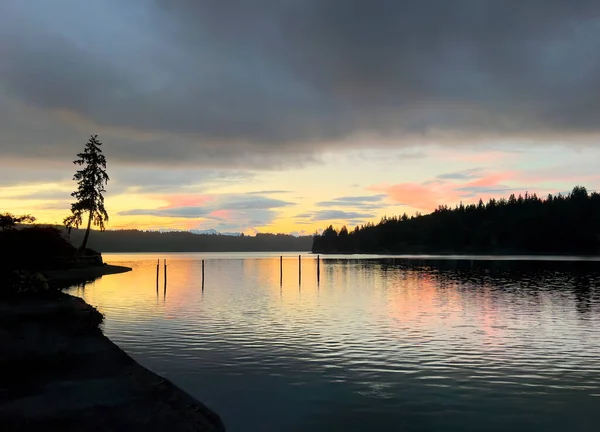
point(185, 241)
point(215, 232)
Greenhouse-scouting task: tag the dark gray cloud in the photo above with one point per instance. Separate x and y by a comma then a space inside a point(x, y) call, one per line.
point(258, 83)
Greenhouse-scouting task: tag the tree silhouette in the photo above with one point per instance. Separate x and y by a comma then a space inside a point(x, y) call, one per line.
point(8, 221)
point(91, 180)
point(561, 224)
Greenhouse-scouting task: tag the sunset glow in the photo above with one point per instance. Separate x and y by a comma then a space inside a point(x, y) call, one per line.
point(309, 198)
point(313, 126)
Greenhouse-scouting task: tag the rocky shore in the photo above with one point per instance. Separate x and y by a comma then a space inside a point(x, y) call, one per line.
point(73, 276)
point(59, 372)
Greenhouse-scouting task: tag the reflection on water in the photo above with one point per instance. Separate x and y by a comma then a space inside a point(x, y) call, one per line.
point(377, 344)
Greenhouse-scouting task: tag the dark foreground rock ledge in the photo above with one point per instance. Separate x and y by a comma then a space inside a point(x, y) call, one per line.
point(59, 372)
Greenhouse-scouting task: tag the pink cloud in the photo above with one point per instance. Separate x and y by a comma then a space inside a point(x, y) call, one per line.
point(222, 214)
point(194, 200)
point(491, 179)
point(419, 196)
point(429, 195)
point(553, 174)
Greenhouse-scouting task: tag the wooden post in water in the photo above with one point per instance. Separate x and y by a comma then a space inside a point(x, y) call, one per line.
point(202, 275)
point(281, 270)
point(165, 274)
point(299, 269)
point(157, 269)
point(318, 269)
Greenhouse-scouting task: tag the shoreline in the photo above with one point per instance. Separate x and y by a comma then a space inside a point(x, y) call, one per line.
point(73, 276)
point(448, 255)
point(58, 371)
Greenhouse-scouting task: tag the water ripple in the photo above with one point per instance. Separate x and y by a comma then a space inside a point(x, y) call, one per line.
point(389, 345)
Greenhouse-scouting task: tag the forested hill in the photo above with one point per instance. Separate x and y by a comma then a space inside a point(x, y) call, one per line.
point(153, 241)
point(562, 224)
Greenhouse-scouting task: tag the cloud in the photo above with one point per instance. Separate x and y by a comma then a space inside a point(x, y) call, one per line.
point(44, 195)
point(252, 203)
point(339, 215)
point(175, 212)
point(460, 175)
point(252, 85)
point(155, 180)
point(416, 195)
point(13, 174)
point(497, 191)
point(447, 189)
point(268, 192)
point(199, 205)
point(224, 212)
point(57, 205)
point(219, 202)
point(367, 202)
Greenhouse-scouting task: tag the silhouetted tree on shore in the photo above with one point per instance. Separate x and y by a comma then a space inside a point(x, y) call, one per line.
point(520, 224)
point(9, 221)
point(91, 180)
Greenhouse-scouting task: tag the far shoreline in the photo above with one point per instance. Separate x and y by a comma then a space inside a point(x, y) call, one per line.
point(456, 256)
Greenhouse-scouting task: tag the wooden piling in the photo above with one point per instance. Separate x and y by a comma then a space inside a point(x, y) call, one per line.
point(157, 270)
point(165, 262)
point(202, 275)
point(299, 268)
point(281, 270)
point(318, 269)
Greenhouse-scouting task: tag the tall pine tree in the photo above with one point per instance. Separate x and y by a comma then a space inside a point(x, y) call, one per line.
point(91, 180)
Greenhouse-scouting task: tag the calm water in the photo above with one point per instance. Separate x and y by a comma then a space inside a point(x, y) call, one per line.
point(378, 344)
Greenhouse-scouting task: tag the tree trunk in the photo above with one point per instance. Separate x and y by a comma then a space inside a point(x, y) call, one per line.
point(87, 234)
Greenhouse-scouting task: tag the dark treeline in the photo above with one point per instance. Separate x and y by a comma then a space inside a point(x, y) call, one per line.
point(561, 224)
point(153, 241)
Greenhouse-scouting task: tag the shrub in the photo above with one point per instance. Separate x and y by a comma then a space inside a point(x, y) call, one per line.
point(22, 282)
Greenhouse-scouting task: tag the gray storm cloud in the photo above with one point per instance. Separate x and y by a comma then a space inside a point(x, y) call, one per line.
point(254, 83)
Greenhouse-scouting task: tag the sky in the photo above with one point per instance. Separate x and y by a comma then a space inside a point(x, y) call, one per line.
point(287, 116)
